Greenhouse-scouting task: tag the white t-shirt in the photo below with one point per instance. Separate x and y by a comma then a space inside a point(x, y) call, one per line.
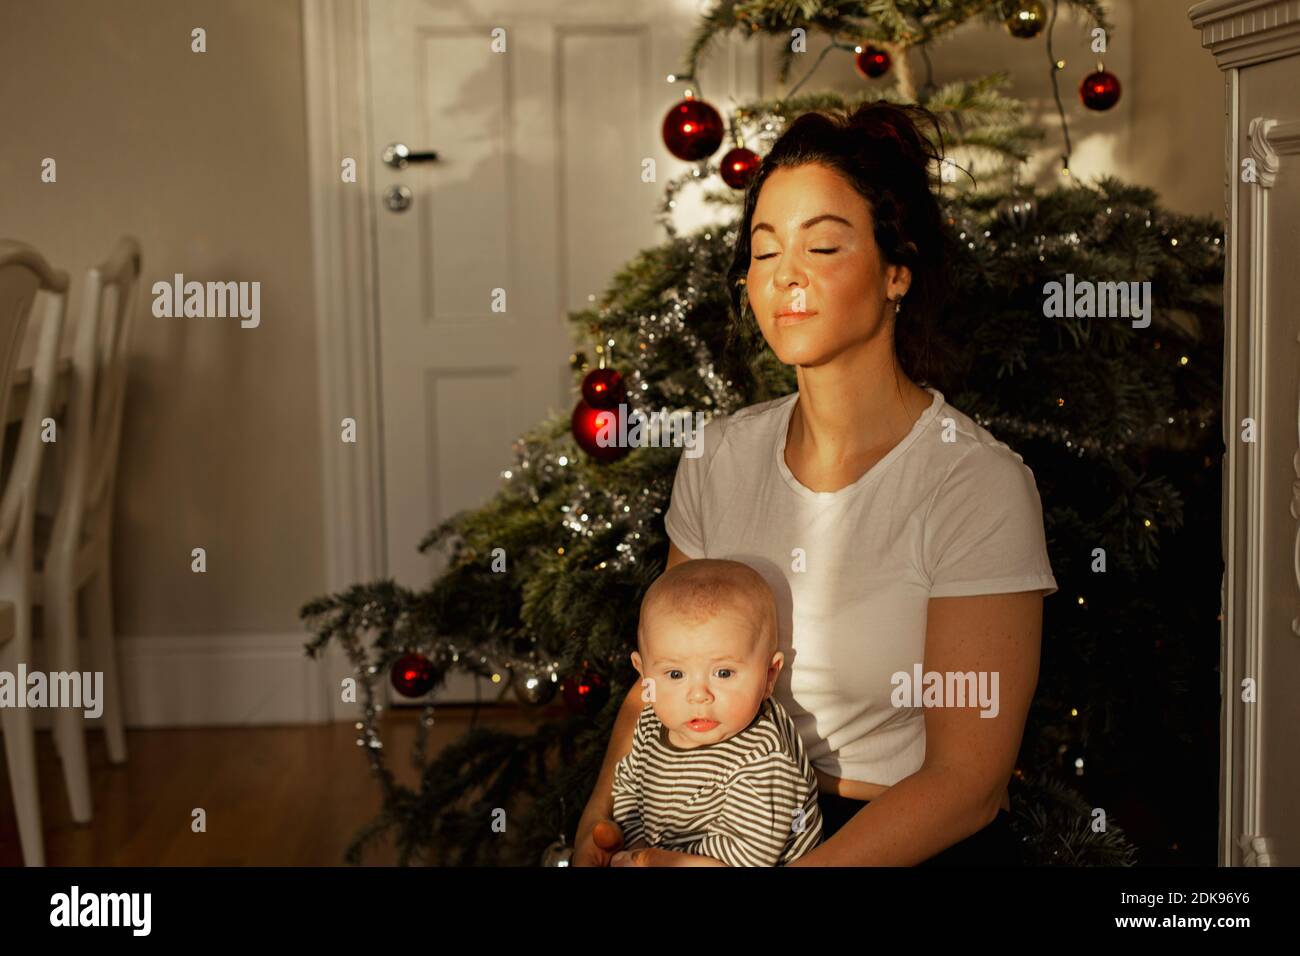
point(933, 518)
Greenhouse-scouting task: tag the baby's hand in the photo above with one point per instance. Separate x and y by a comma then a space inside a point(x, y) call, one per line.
point(625, 857)
point(657, 856)
point(637, 856)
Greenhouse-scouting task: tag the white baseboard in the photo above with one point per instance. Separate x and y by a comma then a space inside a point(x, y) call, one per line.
point(236, 680)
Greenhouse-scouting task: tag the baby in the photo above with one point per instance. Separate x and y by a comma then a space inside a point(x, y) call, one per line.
point(717, 768)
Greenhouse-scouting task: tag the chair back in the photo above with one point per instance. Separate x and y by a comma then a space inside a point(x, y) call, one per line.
point(94, 421)
point(23, 273)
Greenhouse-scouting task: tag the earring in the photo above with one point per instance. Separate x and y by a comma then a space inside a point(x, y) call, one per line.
point(898, 305)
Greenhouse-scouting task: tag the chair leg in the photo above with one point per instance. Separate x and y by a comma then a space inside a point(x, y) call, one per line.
point(99, 624)
point(69, 722)
point(20, 751)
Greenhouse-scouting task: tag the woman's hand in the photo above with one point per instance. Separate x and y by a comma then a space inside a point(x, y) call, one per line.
point(597, 845)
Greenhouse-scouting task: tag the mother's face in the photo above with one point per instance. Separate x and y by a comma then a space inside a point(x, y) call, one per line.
point(813, 251)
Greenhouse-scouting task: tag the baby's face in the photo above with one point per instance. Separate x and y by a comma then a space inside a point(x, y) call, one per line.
point(709, 678)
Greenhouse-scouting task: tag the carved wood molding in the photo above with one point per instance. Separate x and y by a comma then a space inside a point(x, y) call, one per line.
point(1242, 32)
point(1270, 140)
point(1256, 850)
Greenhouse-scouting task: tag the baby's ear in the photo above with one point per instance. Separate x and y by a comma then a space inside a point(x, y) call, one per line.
point(774, 670)
point(636, 662)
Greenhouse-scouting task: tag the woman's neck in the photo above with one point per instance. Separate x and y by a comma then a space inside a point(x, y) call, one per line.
point(843, 414)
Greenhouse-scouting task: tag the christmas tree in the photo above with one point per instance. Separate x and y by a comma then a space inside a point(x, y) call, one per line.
point(1118, 424)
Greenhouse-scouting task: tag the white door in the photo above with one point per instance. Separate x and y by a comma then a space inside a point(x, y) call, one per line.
point(535, 200)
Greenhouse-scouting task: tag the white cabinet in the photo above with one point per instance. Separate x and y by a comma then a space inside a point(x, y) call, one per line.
point(1257, 45)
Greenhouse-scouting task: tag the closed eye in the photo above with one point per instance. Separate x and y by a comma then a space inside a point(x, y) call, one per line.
point(769, 255)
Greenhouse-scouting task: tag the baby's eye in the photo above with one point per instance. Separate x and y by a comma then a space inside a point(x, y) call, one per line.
point(725, 672)
point(674, 674)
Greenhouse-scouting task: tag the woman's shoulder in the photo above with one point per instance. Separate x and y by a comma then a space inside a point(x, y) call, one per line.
point(977, 471)
point(969, 446)
point(750, 420)
point(983, 530)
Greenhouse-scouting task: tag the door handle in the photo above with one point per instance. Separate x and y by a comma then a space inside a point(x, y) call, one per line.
point(398, 155)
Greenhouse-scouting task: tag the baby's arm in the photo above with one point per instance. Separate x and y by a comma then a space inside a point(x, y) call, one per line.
point(673, 857)
point(758, 812)
point(627, 792)
point(627, 803)
point(682, 858)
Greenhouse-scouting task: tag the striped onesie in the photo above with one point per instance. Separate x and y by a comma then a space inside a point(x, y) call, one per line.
point(735, 800)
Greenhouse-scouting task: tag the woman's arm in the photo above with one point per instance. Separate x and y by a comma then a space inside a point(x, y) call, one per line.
point(968, 758)
point(600, 806)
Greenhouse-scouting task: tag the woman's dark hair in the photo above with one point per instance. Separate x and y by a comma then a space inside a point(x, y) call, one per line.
point(881, 152)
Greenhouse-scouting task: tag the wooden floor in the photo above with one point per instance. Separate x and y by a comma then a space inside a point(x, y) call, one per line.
point(274, 796)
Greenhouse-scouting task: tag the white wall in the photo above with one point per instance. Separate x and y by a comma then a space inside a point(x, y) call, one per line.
point(202, 157)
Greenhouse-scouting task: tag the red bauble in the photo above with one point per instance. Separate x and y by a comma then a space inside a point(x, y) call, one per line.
point(873, 62)
point(412, 675)
point(604, 388)
point(1100, 90)
point(692, 130)
point(738, 167)
point(585, 693)
point(585, 425)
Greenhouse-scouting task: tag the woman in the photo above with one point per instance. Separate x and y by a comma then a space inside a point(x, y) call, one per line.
point(901, 538)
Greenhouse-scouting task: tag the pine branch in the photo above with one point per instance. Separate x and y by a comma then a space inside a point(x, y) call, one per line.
point(899, 24)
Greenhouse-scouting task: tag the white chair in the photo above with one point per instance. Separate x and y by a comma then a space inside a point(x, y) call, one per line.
point(77, 551)
point(23, 272)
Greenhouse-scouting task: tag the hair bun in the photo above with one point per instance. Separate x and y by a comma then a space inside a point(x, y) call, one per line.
point(900, 124)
